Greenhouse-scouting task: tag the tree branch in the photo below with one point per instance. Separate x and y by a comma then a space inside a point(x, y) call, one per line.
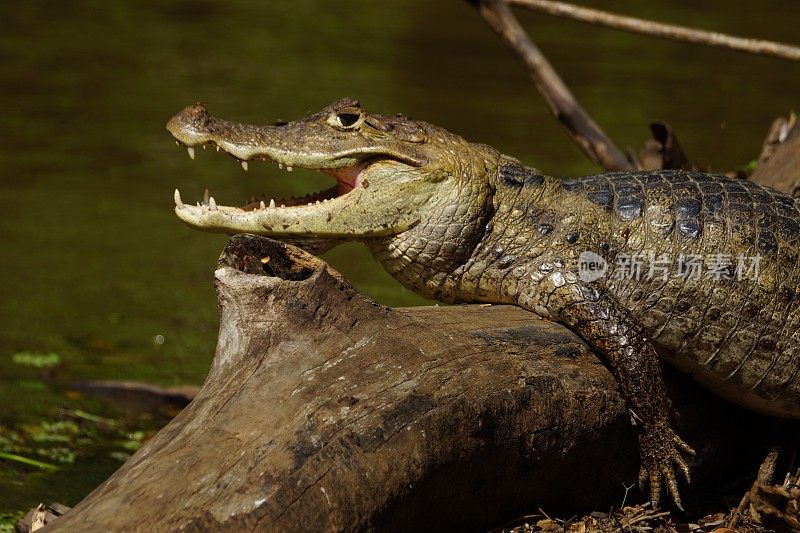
point(584, 131)
point(657, 29)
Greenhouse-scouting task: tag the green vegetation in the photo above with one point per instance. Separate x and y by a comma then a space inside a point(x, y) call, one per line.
point(37, 457)
point(38, 360)
point(7, 521)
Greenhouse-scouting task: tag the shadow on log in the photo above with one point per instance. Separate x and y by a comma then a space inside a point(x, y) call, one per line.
point(325, 411)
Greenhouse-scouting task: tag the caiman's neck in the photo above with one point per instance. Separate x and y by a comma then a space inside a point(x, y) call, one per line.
point(433, 257)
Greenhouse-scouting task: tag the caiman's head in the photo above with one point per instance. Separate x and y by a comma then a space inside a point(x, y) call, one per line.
point(391, 172)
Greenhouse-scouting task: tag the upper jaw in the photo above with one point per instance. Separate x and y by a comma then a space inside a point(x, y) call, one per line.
point(306, 143)
point(193, 127)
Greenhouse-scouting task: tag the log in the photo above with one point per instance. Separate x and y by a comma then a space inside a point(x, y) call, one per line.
point(779, 161)
point(778, 507)
point(326, 411)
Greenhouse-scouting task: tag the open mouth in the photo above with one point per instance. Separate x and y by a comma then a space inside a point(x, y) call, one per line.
point(347, 179)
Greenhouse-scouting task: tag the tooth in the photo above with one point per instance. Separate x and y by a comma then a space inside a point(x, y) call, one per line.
point(190, 149)
point(217, 148)
point(309, 203)
point(317, 202)
point(244, 165)
point(262, 205)
point(212, 204)
point(205, 197)
point(288, 168)
point(178, 201)
point(177, 142)
point(280, 166)
point(283, 205)
point(272, 202)
point(198, 204)
point(204, 147)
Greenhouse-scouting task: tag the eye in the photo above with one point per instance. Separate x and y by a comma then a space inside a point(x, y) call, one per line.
point(344, 120)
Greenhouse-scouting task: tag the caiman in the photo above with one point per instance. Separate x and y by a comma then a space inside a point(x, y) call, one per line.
point(700, 270)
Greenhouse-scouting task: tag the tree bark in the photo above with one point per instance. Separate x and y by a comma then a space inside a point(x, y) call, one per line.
point(325, 411)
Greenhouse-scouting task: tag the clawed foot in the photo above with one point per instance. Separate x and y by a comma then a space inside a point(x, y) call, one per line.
point(661, 449)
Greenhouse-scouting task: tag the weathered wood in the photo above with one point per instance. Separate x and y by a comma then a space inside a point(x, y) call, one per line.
point(778, 507)
point(325, 411)
point(779, 162)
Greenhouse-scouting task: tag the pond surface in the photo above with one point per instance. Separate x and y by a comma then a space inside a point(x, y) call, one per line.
point(97, 269)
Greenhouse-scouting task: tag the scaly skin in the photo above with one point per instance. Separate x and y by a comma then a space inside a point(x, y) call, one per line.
point(459, 222)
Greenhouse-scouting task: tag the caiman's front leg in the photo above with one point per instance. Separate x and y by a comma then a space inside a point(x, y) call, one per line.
point(596, 317)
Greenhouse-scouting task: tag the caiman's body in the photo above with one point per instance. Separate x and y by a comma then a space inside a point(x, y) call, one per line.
point(460, 222)
point(739, 337)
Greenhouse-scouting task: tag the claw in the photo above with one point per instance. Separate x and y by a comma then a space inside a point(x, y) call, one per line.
point(661, 452)
point(672, 486)
point(676, 499)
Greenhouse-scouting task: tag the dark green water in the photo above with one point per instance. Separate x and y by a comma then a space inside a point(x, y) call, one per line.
point(95, 265)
